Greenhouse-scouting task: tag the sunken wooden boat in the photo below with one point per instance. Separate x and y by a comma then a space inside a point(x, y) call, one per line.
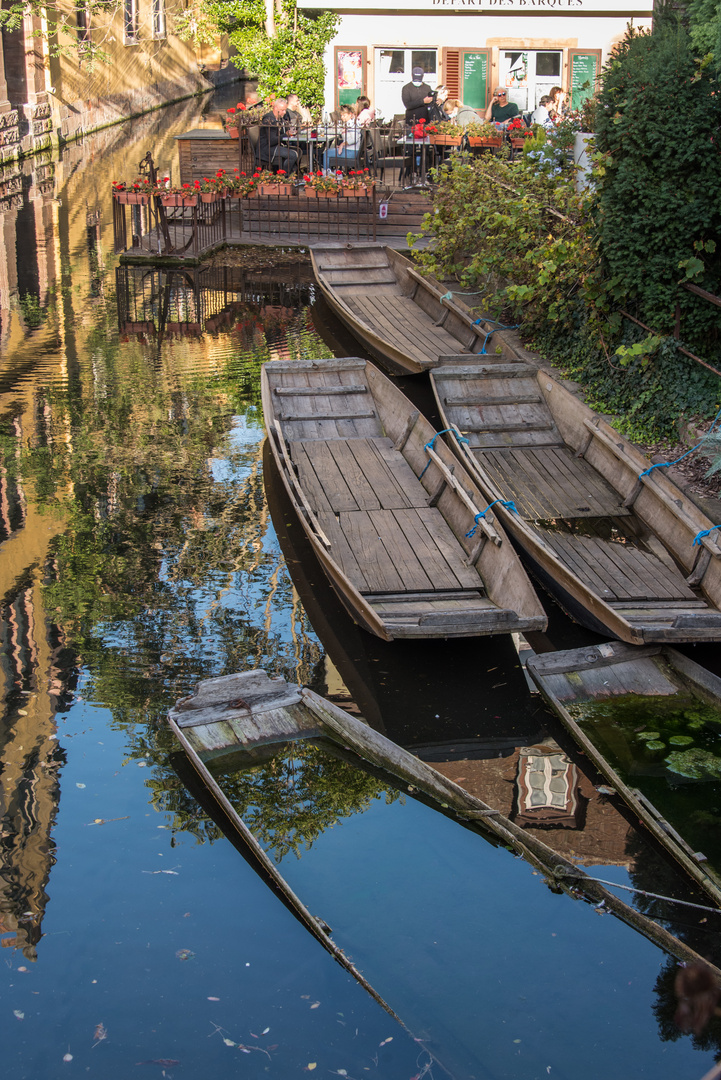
point(239, 717)
point(407, 321)
point(389, 512)
point(606, 695)
point(621, 548)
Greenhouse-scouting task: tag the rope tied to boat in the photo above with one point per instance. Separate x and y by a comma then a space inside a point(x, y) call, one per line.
point(704, 532)
point(666, 464)
point(509, 504)
point(490, 333)
point(430, 445)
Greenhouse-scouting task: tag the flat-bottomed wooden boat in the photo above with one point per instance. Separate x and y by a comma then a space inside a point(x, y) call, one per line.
point(387, 508)
point(618, 546)
point(403, 319)
point(605, 695)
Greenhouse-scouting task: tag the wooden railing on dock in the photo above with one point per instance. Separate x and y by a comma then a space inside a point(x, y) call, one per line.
point(146, 229)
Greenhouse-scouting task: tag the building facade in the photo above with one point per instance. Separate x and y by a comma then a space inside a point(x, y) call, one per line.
point(472, 46)
point(48, 97)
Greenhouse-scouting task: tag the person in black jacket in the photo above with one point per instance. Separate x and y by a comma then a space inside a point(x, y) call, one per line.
point(273, 129)
point(435, 111)
point(416, 97)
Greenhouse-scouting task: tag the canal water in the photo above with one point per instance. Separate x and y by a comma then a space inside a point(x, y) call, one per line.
point(146, 544)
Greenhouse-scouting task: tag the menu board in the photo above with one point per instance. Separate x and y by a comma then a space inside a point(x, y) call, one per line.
point(584, 75)
point(474, 90)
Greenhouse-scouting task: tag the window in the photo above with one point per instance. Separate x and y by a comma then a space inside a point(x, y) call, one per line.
point(159, 29)
point(130, 11)
point(424, 58)
point(393, 61)
point(548, 65)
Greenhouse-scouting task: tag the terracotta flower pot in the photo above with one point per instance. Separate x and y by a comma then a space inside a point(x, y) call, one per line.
point(275, 189)
point(232, 131)
point(209, 196)
point(480, 140)
point(133, 198)
point(444, 140)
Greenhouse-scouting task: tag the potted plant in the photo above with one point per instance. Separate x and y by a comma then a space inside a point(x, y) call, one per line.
point(445, 133)
point(242, 186)
point(484, 134)
point(356, 183)
point(214, 188)
point(230, 123)
point(320, 186)
point(274, 183)
point(137, 194)
point(518, 132)
point(185, 195)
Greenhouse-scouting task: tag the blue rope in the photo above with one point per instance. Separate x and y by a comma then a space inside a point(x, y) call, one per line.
point(431, 445)
point(510, 505)
point(704, 532)
point(665, 464)
point(491, 332)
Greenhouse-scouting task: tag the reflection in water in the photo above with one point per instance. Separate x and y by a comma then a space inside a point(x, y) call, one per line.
point(138, 556)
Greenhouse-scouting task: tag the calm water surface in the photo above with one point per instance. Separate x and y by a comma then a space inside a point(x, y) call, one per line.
point(139, 555)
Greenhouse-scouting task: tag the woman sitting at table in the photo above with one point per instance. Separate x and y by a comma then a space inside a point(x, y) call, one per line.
point(461, 114)
point(345, 152)
point(364, 114)
point(297, 113)
point(557, 103)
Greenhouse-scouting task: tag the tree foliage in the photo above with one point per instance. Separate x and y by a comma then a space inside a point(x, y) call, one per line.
point(276, 43)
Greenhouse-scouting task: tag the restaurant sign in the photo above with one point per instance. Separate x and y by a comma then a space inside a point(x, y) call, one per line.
point(560, 7)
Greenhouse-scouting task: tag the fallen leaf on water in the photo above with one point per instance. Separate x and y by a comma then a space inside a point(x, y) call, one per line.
point(389, 1039)
point(315, 1005)
point(213, 999)
point(100, 1033)
point(305, 997)
point(311, 1065)
point(67, 1057)
point(265, 1031)
point(20, 1015)
point(228, 1042)
point(185, 954)
point(25, 969)
point(80, 785)
point(342, 1072)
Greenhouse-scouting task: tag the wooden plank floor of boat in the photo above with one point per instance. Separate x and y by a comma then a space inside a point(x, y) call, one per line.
point(400, 321)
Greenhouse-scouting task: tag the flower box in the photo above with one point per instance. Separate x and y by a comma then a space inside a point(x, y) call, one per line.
point(444, 140)
point(317, 193)
point(479, 140)
point(275, 189)
point(210, 196)
point(354, 193)
point(132, 198)
point(517, 143)
point(232, 131)
point(179, 200)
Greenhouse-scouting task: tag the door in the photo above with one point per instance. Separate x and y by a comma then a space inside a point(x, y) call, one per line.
point(393, 68)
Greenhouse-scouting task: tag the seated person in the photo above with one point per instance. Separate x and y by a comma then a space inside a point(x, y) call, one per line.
point(541, 114)
point(364, 114)
point(297, 113)
point(273, 130)
point(500, 109)
point(345, 152)
point(557, 103)
point(461, 114)
point(435, 109)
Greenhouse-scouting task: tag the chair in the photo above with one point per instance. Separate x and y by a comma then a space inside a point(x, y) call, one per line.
point(374, 152)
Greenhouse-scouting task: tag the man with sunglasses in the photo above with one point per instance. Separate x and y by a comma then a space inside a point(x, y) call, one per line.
point(501, 110)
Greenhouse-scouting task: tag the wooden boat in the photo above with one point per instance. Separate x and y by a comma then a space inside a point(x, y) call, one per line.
point(614, 543)
point(407, 321)
point(236, 716)
point(386, 514)
point(607, 689)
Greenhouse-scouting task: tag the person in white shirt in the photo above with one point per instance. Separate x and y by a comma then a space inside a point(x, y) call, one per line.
point(364, 113)
point(541, 114)
point(346, 151)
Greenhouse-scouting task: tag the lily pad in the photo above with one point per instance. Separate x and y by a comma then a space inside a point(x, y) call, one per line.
point(695, 763)
point(681, 740)
point(655, 744)
point(646, 735)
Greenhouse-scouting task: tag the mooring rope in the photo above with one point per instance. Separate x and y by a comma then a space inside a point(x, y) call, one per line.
point(666, 464)
point(509, 504)
point(430, 445)
point(561, 872)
